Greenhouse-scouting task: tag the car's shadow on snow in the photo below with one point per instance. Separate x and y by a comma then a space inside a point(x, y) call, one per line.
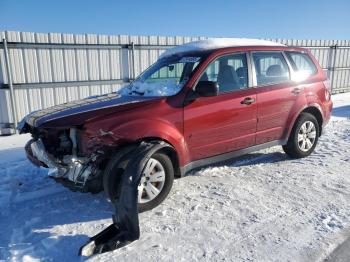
point(247, 160)
point(258, 158)
point(343, 111)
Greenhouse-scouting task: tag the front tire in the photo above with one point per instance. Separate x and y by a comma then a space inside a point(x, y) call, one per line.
point(154, 186)
point(304, 137)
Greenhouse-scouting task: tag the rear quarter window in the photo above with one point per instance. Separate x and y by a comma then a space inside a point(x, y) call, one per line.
point(302, 63)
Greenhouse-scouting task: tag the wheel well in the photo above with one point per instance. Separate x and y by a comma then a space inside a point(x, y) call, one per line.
point(170, 152)
point(316, 113)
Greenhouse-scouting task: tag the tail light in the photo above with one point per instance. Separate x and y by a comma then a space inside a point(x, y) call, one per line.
point(328, 89)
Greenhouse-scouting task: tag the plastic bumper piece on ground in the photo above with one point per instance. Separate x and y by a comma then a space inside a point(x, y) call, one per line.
point(125, 227)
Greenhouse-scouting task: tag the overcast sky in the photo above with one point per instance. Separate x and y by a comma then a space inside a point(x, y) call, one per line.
point(307, 19)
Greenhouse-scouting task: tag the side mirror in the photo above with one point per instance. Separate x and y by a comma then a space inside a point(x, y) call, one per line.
point(207, 88)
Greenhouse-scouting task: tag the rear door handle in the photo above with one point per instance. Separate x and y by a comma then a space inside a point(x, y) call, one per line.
point(248, 101)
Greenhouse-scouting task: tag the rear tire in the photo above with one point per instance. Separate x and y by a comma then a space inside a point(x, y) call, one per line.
point(115, 168)
point(304, 136)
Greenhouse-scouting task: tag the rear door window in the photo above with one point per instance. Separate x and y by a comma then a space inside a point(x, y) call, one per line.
point(302, 63)
point(270, 68)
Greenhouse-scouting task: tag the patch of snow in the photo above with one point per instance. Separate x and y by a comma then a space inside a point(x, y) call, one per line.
point(14, 141)
point(215, 43)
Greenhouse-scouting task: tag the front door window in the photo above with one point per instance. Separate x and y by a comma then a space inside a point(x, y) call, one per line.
point(230, 72)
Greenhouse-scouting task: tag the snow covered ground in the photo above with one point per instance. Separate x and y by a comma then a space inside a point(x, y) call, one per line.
point(261, 207)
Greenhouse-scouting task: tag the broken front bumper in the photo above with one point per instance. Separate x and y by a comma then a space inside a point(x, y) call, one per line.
point(31, 157)
point(78, 174)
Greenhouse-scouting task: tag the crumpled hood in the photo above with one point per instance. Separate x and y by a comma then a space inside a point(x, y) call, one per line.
point(80, 110)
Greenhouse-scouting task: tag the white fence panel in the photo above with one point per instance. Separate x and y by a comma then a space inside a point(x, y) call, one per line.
point(49, 69)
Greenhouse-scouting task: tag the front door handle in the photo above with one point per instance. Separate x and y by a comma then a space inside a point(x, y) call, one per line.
point(296, 91)
point(248, 101)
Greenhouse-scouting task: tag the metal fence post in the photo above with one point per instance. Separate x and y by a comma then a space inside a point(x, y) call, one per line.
point(331, 64)
point(125, 64)
point(133, 60)
point(335, 47)
point(10, 84)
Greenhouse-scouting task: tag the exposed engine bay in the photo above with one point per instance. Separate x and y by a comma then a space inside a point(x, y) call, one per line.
point(59, 152)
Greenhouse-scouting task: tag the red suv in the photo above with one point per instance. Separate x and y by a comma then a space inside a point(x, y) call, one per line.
point(208, 101)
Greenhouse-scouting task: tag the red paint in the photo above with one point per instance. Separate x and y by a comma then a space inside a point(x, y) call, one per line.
point(210, 126)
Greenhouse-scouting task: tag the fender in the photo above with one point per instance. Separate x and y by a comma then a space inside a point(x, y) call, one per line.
point(318, 106)
point(156, 128)
point(138, 130)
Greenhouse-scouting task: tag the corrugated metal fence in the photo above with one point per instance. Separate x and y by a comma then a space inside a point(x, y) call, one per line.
point(48, 69)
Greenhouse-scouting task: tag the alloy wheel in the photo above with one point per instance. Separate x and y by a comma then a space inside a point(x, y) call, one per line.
point(152, 181)
point(306, 136)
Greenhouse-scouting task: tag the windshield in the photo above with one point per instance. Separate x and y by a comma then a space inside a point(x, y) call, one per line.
point(166, 77)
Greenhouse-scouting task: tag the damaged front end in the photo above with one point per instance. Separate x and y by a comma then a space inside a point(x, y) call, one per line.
point(77, 140)
point(58, 151)
point(74, 155)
